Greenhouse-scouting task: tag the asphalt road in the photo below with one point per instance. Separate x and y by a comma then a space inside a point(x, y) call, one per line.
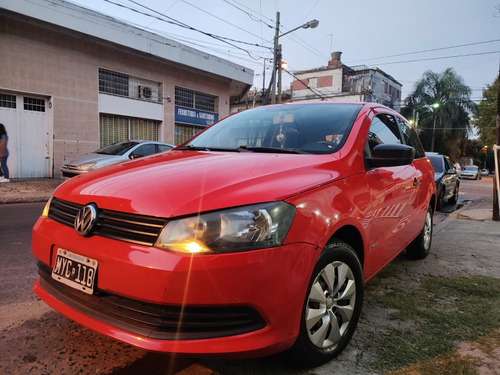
point(37, 340)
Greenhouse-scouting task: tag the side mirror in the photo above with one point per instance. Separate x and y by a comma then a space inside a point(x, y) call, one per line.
point(451, 171)
point(391, 155)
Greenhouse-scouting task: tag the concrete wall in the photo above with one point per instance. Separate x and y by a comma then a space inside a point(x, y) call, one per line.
point(62, 65)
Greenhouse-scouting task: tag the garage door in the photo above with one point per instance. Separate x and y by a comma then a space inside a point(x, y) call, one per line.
point(26, 120)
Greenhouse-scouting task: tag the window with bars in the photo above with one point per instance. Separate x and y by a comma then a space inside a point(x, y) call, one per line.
point(34, 104)
point(120, 128)
point(120, 84)
point(7, 101)
point(194, 99)
point(113, 82)
point(184, 132)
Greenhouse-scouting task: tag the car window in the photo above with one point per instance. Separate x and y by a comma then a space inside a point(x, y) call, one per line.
point(118, 148)
point(162, 148)
point(316, 129)
point(144, 150)
point(448, 164)
point(437, 163)
point(411, 138)
point(383, 129)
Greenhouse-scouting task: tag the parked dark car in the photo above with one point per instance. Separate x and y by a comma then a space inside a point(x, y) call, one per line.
point(446, 178)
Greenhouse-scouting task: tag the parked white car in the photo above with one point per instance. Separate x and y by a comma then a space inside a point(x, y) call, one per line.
point(471, 172)
point(112, 154)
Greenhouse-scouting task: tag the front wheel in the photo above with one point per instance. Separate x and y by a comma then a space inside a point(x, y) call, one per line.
point(420, 247)
point(454, 198)
point(332, 306)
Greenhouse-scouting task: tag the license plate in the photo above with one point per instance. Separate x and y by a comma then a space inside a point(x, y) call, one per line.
point(75, 270)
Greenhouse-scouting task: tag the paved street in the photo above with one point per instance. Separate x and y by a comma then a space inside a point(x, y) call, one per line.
point(37, 340)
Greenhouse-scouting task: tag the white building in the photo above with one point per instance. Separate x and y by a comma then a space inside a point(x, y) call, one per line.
point(339, 82)
point(73, 80)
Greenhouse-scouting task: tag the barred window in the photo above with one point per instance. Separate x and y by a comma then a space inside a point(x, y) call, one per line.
point(33, 104)
point(7, 101)
point(113, 82)
point(184, 132)
point(120, 128)
point(194, 99)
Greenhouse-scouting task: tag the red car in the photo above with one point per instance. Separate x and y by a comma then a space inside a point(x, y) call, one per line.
point(256, 236)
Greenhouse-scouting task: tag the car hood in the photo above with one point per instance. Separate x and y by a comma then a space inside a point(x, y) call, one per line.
point(185, 182)
point(94, 157)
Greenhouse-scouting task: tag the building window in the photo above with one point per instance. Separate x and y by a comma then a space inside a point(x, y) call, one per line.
point(33, 104)
point(196, 100)
point(120, 84)
point(113, 83)
point(7, 101)
point(184, 132)
point(312, 83)
point(120, 128)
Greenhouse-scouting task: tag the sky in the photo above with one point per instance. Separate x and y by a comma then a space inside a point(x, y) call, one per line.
point(404, 38)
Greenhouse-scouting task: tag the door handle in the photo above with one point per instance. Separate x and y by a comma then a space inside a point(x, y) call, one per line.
point(415, 182)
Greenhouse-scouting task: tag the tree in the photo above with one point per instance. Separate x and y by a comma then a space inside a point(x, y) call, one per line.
point(444, 106)
point(487, 115)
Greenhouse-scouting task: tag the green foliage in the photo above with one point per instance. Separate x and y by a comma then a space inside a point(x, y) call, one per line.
point(440, 128)
point(486, 119)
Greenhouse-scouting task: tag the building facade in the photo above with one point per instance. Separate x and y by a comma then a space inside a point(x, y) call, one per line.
point(339, 82)
point(73, 80)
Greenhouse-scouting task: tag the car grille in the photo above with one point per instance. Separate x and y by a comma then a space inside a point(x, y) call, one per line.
point(121, 226)
point(162, 322)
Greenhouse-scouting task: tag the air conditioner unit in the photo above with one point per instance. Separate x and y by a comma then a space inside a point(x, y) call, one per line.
point(145, 92)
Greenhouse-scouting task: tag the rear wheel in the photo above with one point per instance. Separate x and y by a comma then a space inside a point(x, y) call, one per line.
point(421, 246)
point(332, 306)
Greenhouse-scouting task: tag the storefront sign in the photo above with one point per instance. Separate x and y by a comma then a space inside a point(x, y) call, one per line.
point(195, 117)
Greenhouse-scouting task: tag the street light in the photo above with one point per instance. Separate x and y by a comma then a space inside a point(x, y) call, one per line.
point(277, 54)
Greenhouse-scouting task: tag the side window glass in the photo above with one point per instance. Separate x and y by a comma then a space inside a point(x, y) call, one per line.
point(162, 148)
point(145, 150)
point(383, 129)
point(411, 138)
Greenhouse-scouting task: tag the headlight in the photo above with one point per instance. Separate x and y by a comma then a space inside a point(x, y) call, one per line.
point(236, 229)
point(45, 212)
point(86, 166)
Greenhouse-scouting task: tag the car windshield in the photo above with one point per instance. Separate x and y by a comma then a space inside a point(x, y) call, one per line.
point(437, 163)
point(314, 129)
point(118, 148)
point(472, 169)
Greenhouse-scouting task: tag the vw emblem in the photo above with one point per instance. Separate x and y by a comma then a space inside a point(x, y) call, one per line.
point(85, 219)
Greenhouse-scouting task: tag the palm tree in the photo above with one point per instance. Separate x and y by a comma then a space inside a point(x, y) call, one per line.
point(449, 98)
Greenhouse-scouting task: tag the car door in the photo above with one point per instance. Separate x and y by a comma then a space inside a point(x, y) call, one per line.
point(392, 195)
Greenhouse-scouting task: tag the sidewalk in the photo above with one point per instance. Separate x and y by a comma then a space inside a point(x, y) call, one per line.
point(28, 190)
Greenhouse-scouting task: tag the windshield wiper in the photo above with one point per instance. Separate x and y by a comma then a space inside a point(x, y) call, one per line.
point(270, 149)
point(205, 148)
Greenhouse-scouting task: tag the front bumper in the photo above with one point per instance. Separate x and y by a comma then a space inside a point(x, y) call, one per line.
point(246, 303)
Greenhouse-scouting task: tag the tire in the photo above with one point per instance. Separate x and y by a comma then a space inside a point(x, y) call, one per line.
point(420, 247)
point(332, 306)
point(440, 200)
point(454, 198)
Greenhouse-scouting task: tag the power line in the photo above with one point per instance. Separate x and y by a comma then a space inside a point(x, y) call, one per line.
point(427, 50)
point(439, 58)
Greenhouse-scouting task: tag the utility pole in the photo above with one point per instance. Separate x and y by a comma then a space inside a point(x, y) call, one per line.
point(275, 59)
point(496, 215)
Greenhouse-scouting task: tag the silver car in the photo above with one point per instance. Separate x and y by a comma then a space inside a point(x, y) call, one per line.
point(471, 171)
point(112, 154)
